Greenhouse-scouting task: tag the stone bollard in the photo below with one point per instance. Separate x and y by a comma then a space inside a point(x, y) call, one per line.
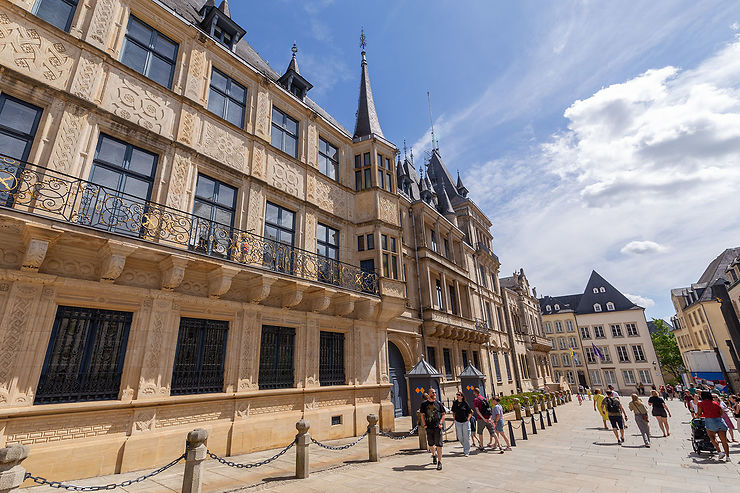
point(527, 407)
point(302, 440)
point(12, 473)
point(549, 401)
point(195, 453)
point(517, 409)
point(422, 433)
point(535, 404)
point(372, 437)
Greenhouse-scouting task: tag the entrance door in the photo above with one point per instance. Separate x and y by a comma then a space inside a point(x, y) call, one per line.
point(581, 378)
point(397, 374)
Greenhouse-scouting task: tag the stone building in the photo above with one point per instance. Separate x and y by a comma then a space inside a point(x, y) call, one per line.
point(706, 322)
point(612, 333)
point(187, 239)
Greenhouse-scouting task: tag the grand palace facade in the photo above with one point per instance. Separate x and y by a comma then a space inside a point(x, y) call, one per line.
point(188, 240)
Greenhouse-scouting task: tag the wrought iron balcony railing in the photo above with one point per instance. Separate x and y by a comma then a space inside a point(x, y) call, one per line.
point(34, 189)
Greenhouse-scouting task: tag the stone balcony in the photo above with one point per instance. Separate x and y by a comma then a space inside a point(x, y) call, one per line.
point(54, 211)
point(538, 343)
point(455, 327)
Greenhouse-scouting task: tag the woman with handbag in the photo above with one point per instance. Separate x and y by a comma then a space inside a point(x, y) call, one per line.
point(641, 418)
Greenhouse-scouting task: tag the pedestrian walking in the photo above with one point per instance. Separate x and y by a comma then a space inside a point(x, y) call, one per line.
point(483, 416)
point(617, 416)
point(679, 390)
point(664, 392)
point(462, 412)
point(433, 418)
point(498, 419)
point(660, 411)
point(580, 399)
point(735, 408)
point(613, 390)
point(598, 398)
point(641, 418)
point(713, 422)
point(473, 434)
point(725, 415)
point(695, 405)
point(640, 388)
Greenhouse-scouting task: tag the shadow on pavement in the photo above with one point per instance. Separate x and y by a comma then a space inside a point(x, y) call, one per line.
point(415, 467)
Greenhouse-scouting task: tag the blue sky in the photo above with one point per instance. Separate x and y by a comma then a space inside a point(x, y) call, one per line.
point(595, 135)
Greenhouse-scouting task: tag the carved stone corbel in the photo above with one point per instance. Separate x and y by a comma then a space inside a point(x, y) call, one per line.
point(343, 305)
point(37, 241)
point(219, 280)
point(173, 270)
point(113, 258)
point(292, 294)
point(366, 309)
point(258, 289)
point(317, 299)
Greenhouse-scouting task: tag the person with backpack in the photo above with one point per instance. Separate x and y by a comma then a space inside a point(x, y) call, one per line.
point(462, 412)
point(432, 419)
point(617, 416)
point(483, 415)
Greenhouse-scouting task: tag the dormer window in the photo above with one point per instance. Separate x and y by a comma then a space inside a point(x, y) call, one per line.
point(548, 308)
point(596, 290)
point(218, 24)
point(602, 289)
point(292, 80)
point(557, 307)
point(597, 307)
point(610, 306)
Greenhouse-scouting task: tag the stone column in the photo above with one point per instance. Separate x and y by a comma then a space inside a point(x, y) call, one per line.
point(12, 473)
point(196, 452)
point(372, 437)
point(302, 440)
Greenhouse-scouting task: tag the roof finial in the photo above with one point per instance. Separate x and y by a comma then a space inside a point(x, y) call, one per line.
point(404, 149)
point(294, 49)
point(431, 120)
point(363, 42)
point(412, 156)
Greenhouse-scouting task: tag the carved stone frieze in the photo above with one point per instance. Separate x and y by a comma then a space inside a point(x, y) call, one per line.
point(177, 193)
point(188, 122)
point(223, 146)
point(89, 73)
point(284, 176)
point(263, 114)
point(146, 107)
point(35, 53)
point(387, 210)
point(196, 74)
point(68, 138)
point(13, 328)
point(101, 23)
point(259, 161)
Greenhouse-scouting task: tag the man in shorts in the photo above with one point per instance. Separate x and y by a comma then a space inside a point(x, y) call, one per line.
point(617, 416)
point(483, 417)
point(432, 419)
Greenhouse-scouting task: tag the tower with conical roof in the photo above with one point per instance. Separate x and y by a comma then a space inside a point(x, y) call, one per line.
point(367, 123)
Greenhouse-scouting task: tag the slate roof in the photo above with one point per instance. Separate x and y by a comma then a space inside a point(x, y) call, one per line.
point(471, 371)
point(189, 10)
point(719, 265)
point(567, 303)
point(715, 273)
point(367, 123)
point(589, 298)
point(423, 369)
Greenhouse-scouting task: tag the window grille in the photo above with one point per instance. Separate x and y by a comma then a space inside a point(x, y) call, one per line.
point(331, 358)
point(199, 358)
point(276, 357)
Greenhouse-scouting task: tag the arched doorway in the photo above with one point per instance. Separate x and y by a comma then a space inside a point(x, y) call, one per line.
point(397, 374)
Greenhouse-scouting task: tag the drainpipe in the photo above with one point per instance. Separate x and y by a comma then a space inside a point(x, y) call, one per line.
point(418, 286)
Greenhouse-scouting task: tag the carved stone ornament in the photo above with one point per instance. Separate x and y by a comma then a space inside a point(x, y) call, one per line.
point(37, 241)
point(219, 280)
point(113, 256)
point(258, 289)
point(173, 270)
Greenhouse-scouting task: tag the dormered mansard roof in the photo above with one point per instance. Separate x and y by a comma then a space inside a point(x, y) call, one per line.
point(598, 291)
point(190, 10)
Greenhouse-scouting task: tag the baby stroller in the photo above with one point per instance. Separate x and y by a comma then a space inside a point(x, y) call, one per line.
point(699, 437)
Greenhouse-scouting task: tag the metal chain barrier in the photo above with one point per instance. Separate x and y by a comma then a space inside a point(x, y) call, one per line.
point(254, 464)
point(449, 427)
point(402, 437)
point(515, 426)
point(341, 447)
point(111, 486)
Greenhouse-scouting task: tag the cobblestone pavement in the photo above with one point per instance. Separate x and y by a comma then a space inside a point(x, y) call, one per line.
point(573, 455)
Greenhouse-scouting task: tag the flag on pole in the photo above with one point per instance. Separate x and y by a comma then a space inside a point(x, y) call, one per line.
point(597, 352)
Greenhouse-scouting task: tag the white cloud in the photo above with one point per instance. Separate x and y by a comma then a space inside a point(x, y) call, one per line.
point(640, 300)
point(642, 247)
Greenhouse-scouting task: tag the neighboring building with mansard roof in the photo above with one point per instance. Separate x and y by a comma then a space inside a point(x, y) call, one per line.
point(707, 318)
point(600, 337)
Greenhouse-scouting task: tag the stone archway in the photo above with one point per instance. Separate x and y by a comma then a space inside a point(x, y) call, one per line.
point(397, 376)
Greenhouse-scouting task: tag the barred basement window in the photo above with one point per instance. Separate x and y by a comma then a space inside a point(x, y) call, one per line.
point(331, 358)
point(84, 359)
point(276, 357)
point(199, 358)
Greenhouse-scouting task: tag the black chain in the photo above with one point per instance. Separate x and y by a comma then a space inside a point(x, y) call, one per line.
point(342, 447)
point(402, 437)
point(112, 486)
point(249, 466)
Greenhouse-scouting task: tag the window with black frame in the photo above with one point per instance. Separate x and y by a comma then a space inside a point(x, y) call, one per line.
point(199, 357)
point(227, 98)
point(363, 178)
point(465, 358)
point(448, 363)
point(84, 359)
point(475, 359)
point(432, 356)
point(123, 176)
point(18, 124)
point(328, 159)
point(331, 358)
point(56, 12)
point(279, 233)
point(276, 357)
point(214, 207)
point(284, 135)
point(327, 248)
point(149, 52)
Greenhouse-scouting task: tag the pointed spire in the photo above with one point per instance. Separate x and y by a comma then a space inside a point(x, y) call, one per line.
point(293, 65)
point(445, 207)
point(224, 7)
point(460, 187)
point(367, 119)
